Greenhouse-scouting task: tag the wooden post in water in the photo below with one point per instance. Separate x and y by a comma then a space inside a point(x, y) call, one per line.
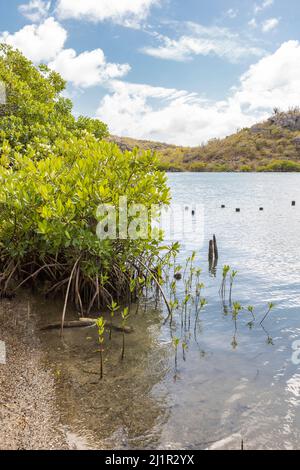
point(216, 251)
point(213, 255)
point(211, 251)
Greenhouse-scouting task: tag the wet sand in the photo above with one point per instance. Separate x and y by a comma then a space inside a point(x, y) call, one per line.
point(29, 414)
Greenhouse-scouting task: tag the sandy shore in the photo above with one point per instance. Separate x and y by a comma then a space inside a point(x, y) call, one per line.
point(29, 415)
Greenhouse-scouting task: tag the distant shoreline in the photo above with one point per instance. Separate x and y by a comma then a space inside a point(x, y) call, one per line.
point(266, 147)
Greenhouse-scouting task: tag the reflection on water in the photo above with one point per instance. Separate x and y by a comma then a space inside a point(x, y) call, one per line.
point(231, 382)
point(119, 411)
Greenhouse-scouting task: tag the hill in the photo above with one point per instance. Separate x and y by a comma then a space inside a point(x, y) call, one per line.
point(273, 145)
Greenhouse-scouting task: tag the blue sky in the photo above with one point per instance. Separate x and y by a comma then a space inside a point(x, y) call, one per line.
point(179, 71)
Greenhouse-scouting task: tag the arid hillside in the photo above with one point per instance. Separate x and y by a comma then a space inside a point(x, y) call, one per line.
point(273, 145)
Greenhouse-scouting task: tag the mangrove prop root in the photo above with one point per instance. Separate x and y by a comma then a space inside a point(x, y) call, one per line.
point(158, 286)
point(67, 297)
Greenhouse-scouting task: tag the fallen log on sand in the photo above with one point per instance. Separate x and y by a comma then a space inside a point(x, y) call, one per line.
point(84, 322)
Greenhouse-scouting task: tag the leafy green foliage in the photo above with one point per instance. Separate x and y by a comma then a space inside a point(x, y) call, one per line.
point(113, 307)
point(36, 114)
point(54, 173)
point(100, 323)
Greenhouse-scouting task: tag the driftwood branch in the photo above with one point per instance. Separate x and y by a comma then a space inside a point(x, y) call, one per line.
point(84, 322)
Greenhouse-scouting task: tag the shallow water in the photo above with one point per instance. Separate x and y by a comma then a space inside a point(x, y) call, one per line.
point(220, 394)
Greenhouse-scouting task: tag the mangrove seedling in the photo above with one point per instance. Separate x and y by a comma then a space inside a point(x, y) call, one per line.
point(185, 302)
point(125, 316)
point(100, 322)
point(198, 274)
point(184, 349)
point(235, 312)
point(226, 270)
point(251, 323)
point(270, 307)
point(203, 303)
point(173, 302)
point(113, 307)
point(232, 278)
point(173, 305)
point(236, 309)
point(250, 309)
point(186, 266)
point(173, 288)
point(199, 288)
point(176, 342)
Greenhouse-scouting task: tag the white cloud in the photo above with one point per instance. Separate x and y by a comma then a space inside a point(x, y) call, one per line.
point(40, 43)
point(45, 43)
point(274, 81)
point(35, 10)
point(262, 6)
point(178, 117)
point(168, 115)
point(88, 68)
point(126, 12)
point(231, 13)
point(202, 40)
point(270, 24)
point(252, 23)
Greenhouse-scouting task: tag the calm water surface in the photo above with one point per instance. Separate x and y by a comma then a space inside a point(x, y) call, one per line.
point(220, 394)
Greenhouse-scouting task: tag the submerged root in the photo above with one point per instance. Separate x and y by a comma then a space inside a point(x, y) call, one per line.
point(73, 278)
